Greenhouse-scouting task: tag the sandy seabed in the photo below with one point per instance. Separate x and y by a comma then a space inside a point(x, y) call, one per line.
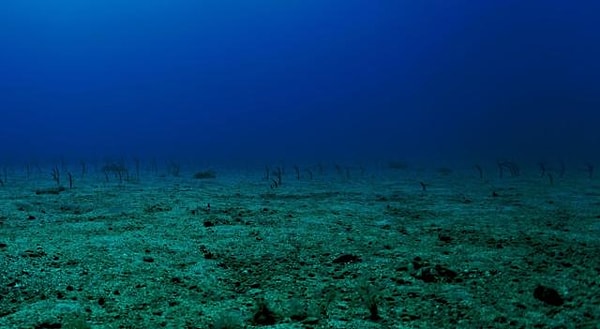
point(339, 250)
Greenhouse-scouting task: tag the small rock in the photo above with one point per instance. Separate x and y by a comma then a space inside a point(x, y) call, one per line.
point(548, 295)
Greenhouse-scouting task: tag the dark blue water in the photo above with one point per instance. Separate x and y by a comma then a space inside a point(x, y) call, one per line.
point(314, 80)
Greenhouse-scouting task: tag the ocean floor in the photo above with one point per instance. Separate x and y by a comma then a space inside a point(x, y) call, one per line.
point(354, 248)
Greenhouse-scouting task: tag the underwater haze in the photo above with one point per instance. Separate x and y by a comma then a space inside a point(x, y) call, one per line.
point(317, 80)
point(212, 164)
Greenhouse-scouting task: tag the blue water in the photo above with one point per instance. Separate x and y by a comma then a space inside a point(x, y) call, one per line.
point(314, 80)
point(305, 163)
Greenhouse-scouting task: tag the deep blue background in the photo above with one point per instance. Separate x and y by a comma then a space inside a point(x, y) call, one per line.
point(225, 79)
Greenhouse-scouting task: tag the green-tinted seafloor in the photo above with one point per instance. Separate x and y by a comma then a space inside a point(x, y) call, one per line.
point(325, 252)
